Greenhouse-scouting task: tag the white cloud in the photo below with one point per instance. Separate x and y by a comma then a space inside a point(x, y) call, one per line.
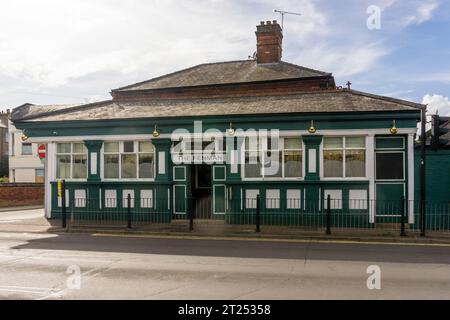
point(437, 103)
point(346, 60)
point(423, 13)
point(86, 48)
point(54, 51)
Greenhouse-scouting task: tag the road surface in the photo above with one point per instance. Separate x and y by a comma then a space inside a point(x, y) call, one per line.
point(42, 266)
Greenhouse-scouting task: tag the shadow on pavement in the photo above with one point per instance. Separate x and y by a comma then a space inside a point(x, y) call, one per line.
point(243, 249)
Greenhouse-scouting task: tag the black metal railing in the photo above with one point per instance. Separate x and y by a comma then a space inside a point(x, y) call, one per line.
point(259, 214)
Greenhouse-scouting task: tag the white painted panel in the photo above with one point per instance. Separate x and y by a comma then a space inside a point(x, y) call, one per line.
point(250, 198)
point(336, 199)
point(358, 200)
point(50, 173)
point(67, 200)
point(312, 165)
point(161, 162)
point(94, 163)
point(293, 199)
point(234, 161)
point(80, 198)
point(146, 198)
point(125, 194)
point(273, 199)
point(110, 198)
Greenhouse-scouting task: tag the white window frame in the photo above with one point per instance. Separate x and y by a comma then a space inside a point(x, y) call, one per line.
point(72, 154)
point(262, 144)
point(120, 153)
point(26, 154)
point(343, 149)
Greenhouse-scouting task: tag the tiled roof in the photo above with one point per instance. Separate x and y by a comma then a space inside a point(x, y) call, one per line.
point(226, 73)
point(444, 140)
point(336, 101)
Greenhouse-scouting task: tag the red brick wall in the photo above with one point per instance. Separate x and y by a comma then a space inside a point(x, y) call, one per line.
point(230, 90)
point(19, 195)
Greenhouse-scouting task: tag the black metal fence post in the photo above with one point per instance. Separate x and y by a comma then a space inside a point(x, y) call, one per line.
point(129, 211)
point(328, 215)
point(403, 208)
point(63, 204)
point(258, 214)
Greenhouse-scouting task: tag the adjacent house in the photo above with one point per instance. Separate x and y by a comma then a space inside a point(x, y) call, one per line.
point(4, 143)
point(25, 166)
point(354, 146)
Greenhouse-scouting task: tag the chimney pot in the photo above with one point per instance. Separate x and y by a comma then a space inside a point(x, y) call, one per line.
point(275, 22)
point(263, 23)
point(269, 22)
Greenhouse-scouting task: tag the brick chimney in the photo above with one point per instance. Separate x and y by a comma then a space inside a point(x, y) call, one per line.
point(269, 37)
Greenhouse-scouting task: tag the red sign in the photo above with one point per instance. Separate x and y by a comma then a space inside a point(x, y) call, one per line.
point(41, 151)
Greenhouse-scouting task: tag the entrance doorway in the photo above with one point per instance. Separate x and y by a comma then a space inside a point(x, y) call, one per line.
point(201, 190)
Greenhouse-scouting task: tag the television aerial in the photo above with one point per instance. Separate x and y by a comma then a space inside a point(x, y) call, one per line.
point(284, 13)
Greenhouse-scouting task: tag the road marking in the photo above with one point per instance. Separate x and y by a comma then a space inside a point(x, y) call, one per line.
point(112, 235)
point(31, 290)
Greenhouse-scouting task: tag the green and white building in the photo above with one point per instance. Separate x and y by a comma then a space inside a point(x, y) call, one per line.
point(354, 146)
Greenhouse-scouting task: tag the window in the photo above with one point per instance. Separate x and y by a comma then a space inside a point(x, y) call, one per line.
point(344, 157)
point(293, 199)
point(390, 158)
point(71, 161)
point(40, 176)
point(293, 158)
point(265, 158)
point(390, 166)
point(129, 160)
point(27, 149)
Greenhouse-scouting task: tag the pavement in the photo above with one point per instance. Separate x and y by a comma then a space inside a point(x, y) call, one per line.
point(111, 267)
point(60, 265)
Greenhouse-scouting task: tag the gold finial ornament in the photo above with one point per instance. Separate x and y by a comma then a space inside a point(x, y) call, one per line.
point(156, 133)
point(394, 129)
point(24, 137)
point(231, 131)
point(312, 129)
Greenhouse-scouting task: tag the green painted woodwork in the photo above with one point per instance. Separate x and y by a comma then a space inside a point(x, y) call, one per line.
point(219, 173)
point(94, 147)
point(312, 142)
point(389, 204)
point(180, 199)
point(180, 173)
point(163, 145)
point(390, 143)
point(219, 195)
point(329, 121)
point(437, 188)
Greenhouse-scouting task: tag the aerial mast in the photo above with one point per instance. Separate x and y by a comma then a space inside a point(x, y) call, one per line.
point(282, 13)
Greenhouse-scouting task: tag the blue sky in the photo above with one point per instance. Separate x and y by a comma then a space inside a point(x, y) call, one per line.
point(70, 52)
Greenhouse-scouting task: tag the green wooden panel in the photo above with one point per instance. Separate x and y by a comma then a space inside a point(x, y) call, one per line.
point(390, 143)
point(180, 173)
point(219, 199)
point(219, 173)
point(180, 199)
point(388, 198)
